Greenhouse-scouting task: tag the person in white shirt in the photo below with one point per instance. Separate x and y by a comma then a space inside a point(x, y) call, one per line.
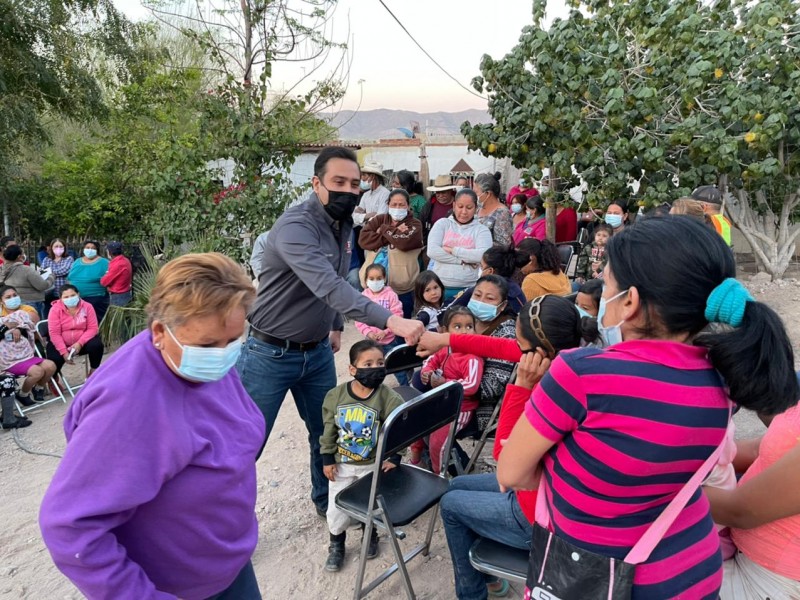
point(375, 199)
point(258, 253)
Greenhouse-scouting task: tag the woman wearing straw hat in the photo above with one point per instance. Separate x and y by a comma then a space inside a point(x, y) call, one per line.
point(375, 196)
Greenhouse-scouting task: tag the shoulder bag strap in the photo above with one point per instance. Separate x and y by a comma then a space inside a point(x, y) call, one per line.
point(654, 534)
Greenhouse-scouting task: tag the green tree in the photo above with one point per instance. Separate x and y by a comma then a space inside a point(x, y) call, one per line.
point(669, 93)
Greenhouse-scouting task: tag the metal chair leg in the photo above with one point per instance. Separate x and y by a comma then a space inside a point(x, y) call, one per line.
point(398, 555)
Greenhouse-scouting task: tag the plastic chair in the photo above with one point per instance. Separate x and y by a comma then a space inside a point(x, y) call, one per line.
point(401, 495)
point(499, 560)
point(403, 358)
point(43, 332)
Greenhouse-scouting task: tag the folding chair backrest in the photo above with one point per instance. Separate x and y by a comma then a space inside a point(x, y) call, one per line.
point(583, 236)
point(420, 417)
point(402, 358)
point(43, 330)
point(565, 252)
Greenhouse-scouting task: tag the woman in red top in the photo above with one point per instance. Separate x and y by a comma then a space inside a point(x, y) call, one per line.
point(475, 507)
point(73, 329)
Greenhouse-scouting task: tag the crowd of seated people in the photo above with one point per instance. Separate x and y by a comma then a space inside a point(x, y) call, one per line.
point(72, 294)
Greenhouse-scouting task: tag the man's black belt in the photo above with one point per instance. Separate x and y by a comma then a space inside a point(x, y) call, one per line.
point(286, 344)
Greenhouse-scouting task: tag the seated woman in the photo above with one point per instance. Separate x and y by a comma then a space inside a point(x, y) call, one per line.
point(656, 401)
point(546, 276)
point(401, 234)
point(12, 302)
point(456, 244)
point(475, 506)
point(18, 358)
point(534, 225)
point(764, 514)
point(73, 330)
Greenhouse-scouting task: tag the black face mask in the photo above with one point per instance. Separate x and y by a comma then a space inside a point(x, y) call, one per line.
point(370, 377)
point(341, 205)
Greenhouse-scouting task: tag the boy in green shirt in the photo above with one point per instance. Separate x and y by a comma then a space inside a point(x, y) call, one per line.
point(352, 414)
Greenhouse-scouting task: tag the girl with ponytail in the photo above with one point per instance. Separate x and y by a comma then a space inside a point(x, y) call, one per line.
point(616, 433)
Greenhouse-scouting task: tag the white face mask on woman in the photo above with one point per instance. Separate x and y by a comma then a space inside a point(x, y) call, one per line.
point(610, 335)
point(398, 214)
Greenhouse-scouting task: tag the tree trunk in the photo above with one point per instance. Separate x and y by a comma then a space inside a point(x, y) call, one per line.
point(773, 238)
point(550, 205)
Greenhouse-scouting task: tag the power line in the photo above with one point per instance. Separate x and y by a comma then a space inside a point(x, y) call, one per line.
point(425, 52)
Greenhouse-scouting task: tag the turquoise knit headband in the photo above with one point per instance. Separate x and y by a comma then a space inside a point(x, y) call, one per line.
point(727, 302)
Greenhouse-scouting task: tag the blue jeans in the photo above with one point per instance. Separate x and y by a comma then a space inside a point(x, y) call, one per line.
point(122, 299)
point(407, 300)
point(268, 372)
point(475, 507)
point(39, 306)
point(244, 587)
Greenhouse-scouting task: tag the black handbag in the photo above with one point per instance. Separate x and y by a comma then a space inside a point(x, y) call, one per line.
point(559, 570)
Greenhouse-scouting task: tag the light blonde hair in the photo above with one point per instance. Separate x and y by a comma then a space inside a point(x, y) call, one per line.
point(688, 206)
point(198, 285)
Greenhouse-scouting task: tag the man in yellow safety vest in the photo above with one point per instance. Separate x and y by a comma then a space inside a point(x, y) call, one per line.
point(712, 206)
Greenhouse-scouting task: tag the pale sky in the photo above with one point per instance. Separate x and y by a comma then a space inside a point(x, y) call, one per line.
point(395, 72)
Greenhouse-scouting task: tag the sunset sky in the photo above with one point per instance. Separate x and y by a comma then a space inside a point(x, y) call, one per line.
point(395, 73)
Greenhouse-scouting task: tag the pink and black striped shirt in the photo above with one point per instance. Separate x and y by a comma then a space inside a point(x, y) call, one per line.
point(631, 425)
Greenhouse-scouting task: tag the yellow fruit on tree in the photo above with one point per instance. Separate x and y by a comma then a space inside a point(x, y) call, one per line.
point(492, 147)
point(718, 73)
point(750, 137)
point(758, 117)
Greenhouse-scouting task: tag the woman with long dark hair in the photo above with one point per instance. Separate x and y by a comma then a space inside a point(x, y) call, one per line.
point(610, 436)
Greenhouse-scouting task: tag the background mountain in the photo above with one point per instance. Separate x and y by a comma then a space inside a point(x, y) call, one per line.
point(384, 123)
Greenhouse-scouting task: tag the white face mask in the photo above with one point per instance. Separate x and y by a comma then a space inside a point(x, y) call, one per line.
point(398, 214)
point(365, 185)
point(516, 208)
point(376, 285)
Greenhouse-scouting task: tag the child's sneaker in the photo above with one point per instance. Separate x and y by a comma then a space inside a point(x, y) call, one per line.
point(38, 394)
point(335, 553)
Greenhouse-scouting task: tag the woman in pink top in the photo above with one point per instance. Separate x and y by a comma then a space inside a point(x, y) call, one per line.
point(764, 514)
point(72, 325)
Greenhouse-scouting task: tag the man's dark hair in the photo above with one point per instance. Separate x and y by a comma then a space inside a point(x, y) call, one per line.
point(321, 164)
point(4, 241)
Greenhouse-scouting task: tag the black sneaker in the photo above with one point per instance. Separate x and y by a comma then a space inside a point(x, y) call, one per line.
point(372, 549)
point(25, 400)
point(335, 556)
point(38, 394)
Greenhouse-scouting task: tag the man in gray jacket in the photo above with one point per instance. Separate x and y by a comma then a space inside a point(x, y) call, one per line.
point(297, 320)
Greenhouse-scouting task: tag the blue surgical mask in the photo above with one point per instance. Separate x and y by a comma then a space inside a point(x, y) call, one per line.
point(583, 312)
point(482, 311)
point(614, 220)
point(72, 301)
point(610, 335)
point(365, 185)
point(206, 364)
point(516, 208)
point(89, 252)
point(13, 303)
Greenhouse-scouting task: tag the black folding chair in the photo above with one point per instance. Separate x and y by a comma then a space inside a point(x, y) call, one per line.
point(403, 358)
point(565, 253)
point(499, 560)
point(399, 496)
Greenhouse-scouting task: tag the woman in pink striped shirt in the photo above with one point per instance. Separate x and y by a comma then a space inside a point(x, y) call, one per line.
point(618, 432)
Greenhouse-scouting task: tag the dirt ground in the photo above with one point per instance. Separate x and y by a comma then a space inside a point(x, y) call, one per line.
point(293, 541)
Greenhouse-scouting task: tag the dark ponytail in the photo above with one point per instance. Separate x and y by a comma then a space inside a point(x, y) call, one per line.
point(504, 260)
point(756, 360)
point(675, 264)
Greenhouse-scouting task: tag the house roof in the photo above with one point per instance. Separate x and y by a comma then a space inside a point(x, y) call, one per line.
point(462, 167)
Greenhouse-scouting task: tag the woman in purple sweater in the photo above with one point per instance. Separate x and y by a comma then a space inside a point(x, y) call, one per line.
point(155, 495)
